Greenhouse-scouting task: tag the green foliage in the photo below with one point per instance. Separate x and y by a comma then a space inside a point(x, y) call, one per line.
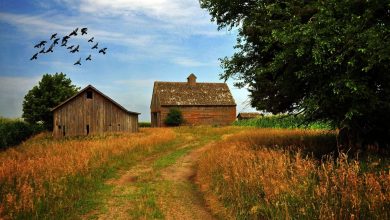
point(144, 124)
point(51, 91)
point(174, 117)
point(283, 121)
point(14, 131)
point(328, 59)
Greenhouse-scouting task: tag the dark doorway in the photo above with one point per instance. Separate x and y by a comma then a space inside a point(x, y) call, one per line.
point(87, 129)
point(63, 131)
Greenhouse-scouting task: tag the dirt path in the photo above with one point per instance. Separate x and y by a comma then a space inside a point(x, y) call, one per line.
point(184, 202)
point(150, 190)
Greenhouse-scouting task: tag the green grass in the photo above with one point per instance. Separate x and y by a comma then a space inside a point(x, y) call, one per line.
point(144, 124)
point(282, 121)
point(170, 158)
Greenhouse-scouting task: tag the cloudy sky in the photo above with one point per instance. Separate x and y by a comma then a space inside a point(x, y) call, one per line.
point(147, 41)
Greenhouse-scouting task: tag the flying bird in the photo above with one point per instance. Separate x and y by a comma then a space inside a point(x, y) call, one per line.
point(78, 62)
point(53, 36)
point(43, 50)
point(95, 47)
point(103, 50)
point(76, 49)
point(56, 41)
point(84, 31)
point(70, 47)
point(89, 57)
point(42, 43)
point(74, 32)
point(34, 57)
point(91, 40)
point(64, 43)
point(50, 48)
point(65, 38)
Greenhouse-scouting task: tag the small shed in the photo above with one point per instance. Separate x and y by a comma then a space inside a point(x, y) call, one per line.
point(200, 103)
point(92, 112)
point(248, 115)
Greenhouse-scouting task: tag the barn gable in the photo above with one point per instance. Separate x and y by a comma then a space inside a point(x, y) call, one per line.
point(91, 112)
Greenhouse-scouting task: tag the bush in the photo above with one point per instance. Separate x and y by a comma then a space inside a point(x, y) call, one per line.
point(174, 118)
point(14, 131)
point(144, 124)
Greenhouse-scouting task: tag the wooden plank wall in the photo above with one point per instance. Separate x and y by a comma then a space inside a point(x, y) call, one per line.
point(99, 113)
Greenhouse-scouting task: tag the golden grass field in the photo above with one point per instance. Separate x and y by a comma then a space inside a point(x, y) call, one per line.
point(36, 172)
point(248, 174)
point(254, 176)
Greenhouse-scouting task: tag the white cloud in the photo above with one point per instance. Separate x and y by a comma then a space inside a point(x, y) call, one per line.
point(188, 62)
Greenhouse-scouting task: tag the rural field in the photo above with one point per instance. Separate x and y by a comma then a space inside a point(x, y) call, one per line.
point(200, 172)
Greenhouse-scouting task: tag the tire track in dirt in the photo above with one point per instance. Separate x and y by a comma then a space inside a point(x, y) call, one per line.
point(184, 201)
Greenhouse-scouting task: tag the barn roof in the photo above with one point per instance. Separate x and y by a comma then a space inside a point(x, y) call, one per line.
point(249, 114)
point(97, 91)
point(199, 94)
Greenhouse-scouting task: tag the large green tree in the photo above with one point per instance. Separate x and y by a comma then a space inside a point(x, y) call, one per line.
point(328, 60)
point(50, 91)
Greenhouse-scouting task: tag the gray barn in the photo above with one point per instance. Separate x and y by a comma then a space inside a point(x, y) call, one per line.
point(92, 112)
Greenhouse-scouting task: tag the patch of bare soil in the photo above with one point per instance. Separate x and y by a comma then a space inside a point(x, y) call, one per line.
point(183, 201)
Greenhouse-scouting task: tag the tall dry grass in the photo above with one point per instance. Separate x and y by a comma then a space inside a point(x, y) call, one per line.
point(254, 175)
point(41, 173)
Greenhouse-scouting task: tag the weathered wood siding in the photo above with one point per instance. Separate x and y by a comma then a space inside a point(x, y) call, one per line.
point(202, 115)
point(82, 116)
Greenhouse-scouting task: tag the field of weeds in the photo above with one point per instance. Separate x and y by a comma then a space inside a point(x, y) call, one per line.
point(271, 174)
point(44, 177)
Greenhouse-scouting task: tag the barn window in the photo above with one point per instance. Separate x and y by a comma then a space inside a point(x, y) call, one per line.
point(89, 94)
point(87, 129)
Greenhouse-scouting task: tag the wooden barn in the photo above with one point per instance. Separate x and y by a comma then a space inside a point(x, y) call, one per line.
point(200, 103)
point(92, 112)
point(248, 115)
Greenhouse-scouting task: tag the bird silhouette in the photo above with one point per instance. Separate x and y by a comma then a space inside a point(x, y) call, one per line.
point(65, 38)
point(95, 46)
point(76, 49)
point(74, 32)
point(84, 31)
point(40, 44)
point(34, 57)
point(53, 36)
point(43, 50)
point(70, 47)
point(56, 41)
point(50, 48)
point(78, 62)
point(64, 43)
point(91, 40)
point(103, 50)
point(89, 57)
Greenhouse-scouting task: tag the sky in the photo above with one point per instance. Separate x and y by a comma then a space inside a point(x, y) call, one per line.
point(146, 40)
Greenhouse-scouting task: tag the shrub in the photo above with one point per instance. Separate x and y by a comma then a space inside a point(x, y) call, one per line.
point(174, 118)
point(14, 131)
point(144, 124)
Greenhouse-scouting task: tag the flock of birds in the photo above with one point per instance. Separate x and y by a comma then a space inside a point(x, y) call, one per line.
point(64, 43)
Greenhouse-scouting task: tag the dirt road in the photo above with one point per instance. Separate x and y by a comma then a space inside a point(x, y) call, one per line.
point(158, 187)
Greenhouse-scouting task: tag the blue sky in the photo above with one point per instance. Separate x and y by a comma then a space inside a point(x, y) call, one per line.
point(147, 41)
